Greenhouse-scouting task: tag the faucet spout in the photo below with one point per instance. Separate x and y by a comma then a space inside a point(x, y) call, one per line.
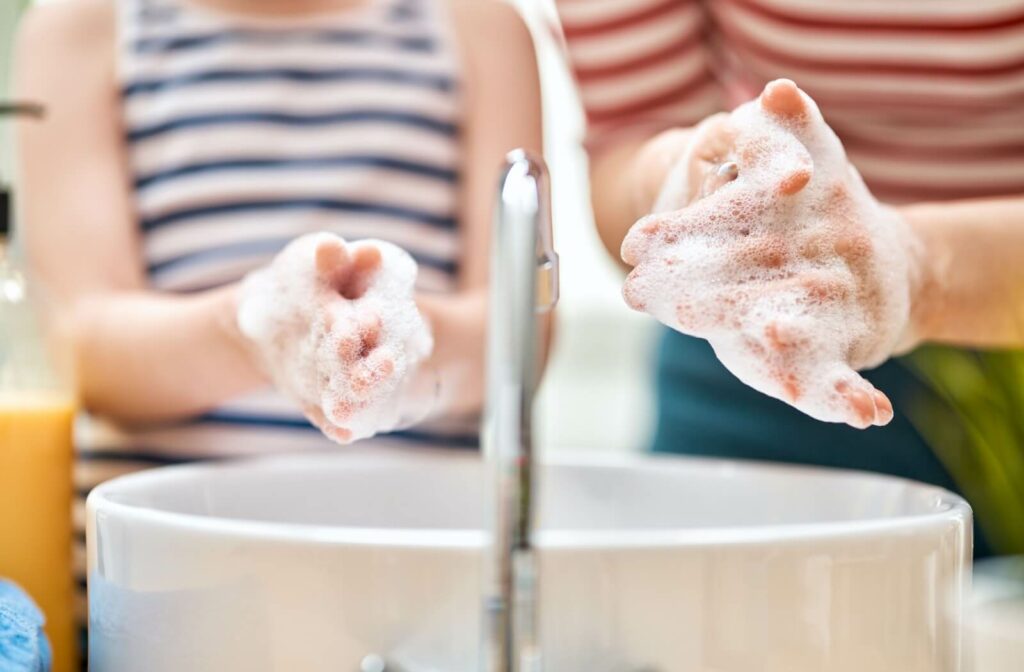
point(524, 282)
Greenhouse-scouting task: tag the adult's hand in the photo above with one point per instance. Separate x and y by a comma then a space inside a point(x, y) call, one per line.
point(766, 242)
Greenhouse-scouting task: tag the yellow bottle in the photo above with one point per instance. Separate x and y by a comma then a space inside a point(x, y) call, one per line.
point(36, 414)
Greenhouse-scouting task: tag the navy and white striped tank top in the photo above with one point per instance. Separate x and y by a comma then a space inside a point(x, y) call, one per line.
point(244, 133)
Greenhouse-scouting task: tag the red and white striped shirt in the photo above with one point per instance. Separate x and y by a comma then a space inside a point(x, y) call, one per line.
point(927, 95)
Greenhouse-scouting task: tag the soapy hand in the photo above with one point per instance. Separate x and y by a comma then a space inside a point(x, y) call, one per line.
point(336, 327)
point(766, 242)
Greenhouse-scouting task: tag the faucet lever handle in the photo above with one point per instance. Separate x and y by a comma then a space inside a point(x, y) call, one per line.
point(547, 281)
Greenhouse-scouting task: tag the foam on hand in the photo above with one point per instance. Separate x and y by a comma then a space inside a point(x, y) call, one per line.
point(337, 328)
point(767, 243)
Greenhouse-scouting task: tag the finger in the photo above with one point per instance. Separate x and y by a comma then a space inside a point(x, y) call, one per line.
point(371, 372)
point(654, 285)
point(338, 434)
point(794, 181)
point(316, 416)
point(883, 409)
point(634, 289)
point(331, 259)
point(781, 159)
point(854, 246)
point(330, 253)
point(366, 260)
point(654, 232)
point(783, 99)
point(343, 410)
point(641, 238)
point(792, 160)
point(862, 400)
point(362, 338)
point(350, 347)
point(370, 329)
point(767, 251)
point(734, 210)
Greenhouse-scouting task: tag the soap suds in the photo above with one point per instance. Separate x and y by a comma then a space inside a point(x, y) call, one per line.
point(766, 242)
point(337, 328)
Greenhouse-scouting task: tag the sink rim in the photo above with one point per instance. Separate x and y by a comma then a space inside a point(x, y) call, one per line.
point(948, 507)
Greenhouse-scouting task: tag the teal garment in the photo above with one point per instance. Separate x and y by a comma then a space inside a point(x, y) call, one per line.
point(705, 410)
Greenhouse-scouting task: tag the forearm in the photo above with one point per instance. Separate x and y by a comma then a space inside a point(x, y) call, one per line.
point(970, 287)
point(459, 323)
point(145, 357)
point(626, 178)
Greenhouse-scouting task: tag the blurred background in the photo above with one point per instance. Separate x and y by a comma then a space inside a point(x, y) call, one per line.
point(602, 360)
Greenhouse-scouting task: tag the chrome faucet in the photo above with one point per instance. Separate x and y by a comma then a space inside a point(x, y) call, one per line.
point(524, 282)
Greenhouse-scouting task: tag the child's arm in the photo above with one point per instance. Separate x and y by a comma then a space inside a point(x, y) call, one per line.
point(140, 355)
point(503, 112)
point(146, 356)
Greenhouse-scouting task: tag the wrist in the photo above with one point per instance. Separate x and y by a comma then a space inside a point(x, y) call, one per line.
point(927, 260)
point(226, 307)
point(459, 325)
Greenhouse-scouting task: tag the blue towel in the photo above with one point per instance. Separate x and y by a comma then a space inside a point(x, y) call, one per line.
point(23, 646)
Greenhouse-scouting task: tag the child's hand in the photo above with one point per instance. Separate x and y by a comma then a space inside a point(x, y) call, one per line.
point(337, 328)
point(767, 243)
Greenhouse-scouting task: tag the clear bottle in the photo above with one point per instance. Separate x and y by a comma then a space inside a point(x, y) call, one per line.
point(37, 409)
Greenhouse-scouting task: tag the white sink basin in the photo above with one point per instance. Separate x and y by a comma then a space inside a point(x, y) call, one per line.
point(997, 615)
point(658, 564)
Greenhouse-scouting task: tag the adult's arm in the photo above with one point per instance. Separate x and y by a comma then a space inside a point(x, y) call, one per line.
point(642, 69)
point(645, 80)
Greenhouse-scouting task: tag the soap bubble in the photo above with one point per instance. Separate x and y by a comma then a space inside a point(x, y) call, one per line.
point(766, 242)
point(338, 329)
